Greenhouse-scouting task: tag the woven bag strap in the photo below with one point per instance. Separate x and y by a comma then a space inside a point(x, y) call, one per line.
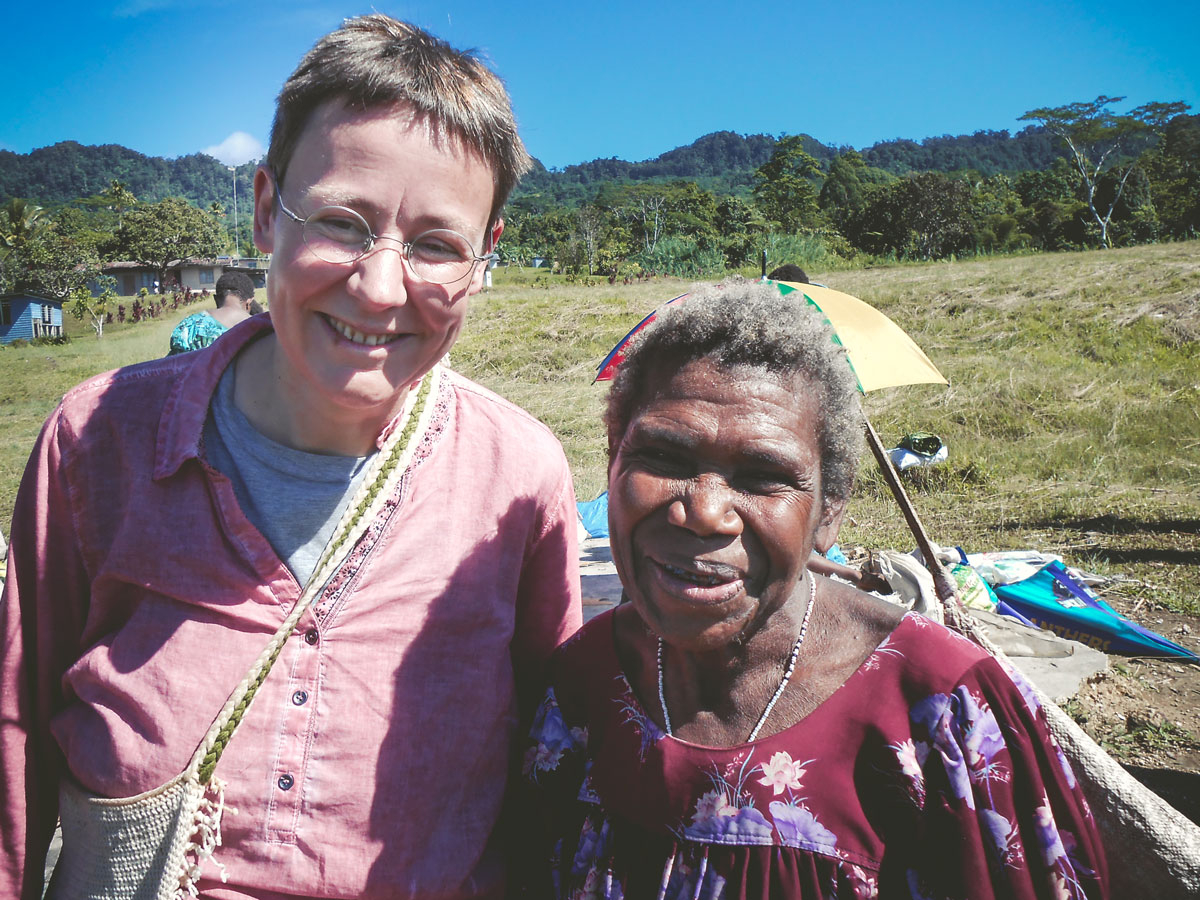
point(386, 469)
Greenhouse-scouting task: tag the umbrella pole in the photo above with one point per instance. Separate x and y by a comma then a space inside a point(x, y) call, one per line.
point(942, 581)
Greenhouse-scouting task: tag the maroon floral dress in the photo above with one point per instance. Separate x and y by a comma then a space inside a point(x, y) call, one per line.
point(929, 774)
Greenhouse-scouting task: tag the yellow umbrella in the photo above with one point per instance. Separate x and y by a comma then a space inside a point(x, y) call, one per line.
point(880, 352)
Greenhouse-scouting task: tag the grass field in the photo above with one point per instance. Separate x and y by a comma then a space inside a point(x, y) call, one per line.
point(1072, 417)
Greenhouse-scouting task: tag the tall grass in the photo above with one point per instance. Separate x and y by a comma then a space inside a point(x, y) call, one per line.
point(1072, 416)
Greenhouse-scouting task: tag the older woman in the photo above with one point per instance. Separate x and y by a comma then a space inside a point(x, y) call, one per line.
point(744, 728)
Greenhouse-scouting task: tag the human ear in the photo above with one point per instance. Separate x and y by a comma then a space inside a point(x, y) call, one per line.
point(494, 233)
point(830, 525)
point(264, 210)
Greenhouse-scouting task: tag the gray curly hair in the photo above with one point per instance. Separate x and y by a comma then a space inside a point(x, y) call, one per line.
point(743, 323)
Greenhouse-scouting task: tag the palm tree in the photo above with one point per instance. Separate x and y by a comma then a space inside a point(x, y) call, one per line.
point(19, 221)
point(119, 197)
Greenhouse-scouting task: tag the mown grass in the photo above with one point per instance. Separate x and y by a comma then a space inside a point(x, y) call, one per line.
point(1072, 417)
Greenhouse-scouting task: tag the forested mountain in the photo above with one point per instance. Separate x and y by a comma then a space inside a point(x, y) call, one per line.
point(987, 152)
point(68, 170)
point(717, 203)
point(723, 162)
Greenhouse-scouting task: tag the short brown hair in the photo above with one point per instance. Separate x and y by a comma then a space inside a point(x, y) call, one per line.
point(374, 61)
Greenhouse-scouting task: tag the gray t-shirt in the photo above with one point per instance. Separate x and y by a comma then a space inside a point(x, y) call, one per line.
point(294, 498)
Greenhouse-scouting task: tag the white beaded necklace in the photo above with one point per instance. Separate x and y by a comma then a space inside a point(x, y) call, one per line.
point(787, 671)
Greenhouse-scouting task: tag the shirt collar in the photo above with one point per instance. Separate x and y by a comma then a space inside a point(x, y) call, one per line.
point(183, 415)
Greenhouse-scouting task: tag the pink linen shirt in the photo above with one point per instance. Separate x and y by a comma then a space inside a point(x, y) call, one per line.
point(373, 762)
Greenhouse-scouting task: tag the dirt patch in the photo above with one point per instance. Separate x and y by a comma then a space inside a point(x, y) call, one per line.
point(1146, 713)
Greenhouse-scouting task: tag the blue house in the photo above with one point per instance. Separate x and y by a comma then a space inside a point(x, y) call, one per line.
point(28, 316)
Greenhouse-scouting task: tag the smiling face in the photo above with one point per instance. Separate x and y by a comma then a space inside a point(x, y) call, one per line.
point(715, 501)
point(351, 337)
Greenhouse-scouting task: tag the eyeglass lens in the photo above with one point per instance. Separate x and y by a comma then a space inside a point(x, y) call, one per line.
point(340, 235)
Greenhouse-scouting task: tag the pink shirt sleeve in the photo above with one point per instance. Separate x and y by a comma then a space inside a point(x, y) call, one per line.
point(548, 601)
point(42, 613)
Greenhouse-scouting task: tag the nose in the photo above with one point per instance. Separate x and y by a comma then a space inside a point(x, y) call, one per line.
point(707, 507)
point(380, 276)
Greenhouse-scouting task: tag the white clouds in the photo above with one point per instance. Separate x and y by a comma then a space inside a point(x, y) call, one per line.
point(236, 149)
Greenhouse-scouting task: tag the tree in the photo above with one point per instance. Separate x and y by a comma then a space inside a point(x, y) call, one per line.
point(844, 192)
point(19, 219)
point(53, 264)
point(784, 185)
point(925, 216)
point(741, 227)
point(1103, 142)
point(160, 233)
point(590, 224)
point(119, 198)
point(95, 309)
point(1174, 170)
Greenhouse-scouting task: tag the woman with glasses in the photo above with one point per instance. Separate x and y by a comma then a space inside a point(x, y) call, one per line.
point(173, 513)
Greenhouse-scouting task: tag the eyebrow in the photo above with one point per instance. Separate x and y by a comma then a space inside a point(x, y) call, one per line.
point(318, 197)
point(757, 455)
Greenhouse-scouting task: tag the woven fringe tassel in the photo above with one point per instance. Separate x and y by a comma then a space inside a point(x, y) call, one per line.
point(702, 872)
point(668, 871)
point(205, 839)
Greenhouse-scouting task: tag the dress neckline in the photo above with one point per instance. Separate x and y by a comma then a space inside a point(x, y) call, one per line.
point(869, 666)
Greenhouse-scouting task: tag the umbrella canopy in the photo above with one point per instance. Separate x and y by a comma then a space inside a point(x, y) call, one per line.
point(880, 352)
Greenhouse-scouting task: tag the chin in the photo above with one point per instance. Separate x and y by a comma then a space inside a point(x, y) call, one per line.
point(703, 634)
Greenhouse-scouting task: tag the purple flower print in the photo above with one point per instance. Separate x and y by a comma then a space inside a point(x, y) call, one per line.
point(799, 828)
point(1003, 834)
point(643, 725)
point(745, 826)
point(592, 846)
point(980, 732)
point(930, 712)
point(967, 737)
point(551, 738)
point(1047, 831)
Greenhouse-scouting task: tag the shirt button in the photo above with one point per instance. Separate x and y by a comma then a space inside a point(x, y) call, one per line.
point(310, 636)
point(286, 782)
point(300, 698)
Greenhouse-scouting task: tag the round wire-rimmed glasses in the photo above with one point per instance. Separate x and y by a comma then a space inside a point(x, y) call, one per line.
point(338, 234)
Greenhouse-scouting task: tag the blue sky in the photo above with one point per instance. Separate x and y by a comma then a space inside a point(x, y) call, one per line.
point(624, 79)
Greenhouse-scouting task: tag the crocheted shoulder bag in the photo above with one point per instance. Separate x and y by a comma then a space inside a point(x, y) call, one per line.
point(152, 846)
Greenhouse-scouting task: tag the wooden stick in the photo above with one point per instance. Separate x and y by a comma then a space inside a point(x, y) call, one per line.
point(942, 581)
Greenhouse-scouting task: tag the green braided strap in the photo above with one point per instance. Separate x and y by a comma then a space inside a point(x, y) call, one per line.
point(385, 471)
point(398, 450)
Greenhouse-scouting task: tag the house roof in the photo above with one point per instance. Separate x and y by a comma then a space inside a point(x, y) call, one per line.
point(26, 295)
point(227, 262)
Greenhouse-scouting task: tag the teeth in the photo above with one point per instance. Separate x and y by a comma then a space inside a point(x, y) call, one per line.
point(371, 340)
point(694, 577)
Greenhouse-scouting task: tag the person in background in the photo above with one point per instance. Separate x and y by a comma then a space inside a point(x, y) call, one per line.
point(234, 294)
point(789, 272)
point(742, 727)
point(172, 513)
